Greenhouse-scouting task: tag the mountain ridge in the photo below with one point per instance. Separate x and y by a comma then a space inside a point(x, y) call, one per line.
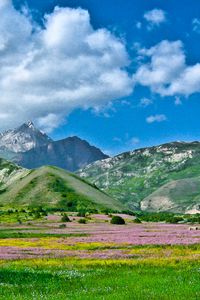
point(70, 153)
point(132, 176)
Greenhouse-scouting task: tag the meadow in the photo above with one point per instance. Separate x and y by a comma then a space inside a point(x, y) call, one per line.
point(49, 259)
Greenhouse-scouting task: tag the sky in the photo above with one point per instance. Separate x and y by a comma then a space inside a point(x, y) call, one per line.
point(120, 74)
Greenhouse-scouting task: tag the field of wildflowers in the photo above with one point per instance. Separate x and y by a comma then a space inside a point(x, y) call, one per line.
point(98, 260)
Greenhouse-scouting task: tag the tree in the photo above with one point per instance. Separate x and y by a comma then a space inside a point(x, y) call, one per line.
point(82, 221)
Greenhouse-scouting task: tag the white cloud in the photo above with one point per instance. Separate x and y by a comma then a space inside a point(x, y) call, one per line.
point(187, 83)
point(156, 118)
point(177, 101)
point(138, 25)
point(134, 141)
point(196, 25)
point(46, 72)
point(166, 71)
point(49, 121)
point(155, 17)
point(3, 3)
point(144, 102)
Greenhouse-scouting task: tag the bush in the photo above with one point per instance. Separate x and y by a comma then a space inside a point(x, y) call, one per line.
point(117, 220)
point(62, 226)
point(65, 218)
point(82, 221)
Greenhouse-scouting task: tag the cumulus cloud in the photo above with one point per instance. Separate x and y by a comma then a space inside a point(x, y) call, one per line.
point(155, 17)
point(46, 72)
point(144, 102)
point(196, 25)
point(165, 70)
point(178, 101)
point(156, 118)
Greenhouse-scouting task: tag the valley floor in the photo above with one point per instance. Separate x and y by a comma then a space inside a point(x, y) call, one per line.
point(98, 260)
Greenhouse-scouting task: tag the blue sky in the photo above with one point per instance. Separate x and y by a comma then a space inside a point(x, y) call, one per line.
point(153, 112)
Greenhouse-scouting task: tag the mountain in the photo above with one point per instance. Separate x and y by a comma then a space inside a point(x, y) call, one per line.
point(21, 139)
point(133, 176)
point(49, 187)
point(31, 148)
point(71, 154)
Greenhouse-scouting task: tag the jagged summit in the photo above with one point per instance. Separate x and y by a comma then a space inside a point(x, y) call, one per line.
point(23, 138)
point(28, 124)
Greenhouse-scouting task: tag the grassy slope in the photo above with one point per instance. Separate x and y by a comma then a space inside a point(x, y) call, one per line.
point(179, 195)
point(50, 186)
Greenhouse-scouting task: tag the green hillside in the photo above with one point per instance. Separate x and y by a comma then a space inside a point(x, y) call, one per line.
point(132, 176)
point(50, 187)
point(179, 196)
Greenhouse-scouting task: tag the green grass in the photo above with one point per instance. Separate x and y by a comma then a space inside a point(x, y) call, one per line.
point(78, 280)
point(27, 235)
point(154, 272)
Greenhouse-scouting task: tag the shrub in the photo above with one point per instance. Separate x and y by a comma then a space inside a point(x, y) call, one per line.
point(117, 220)
point(82, 221)
point(62, 226)
point(65, 218)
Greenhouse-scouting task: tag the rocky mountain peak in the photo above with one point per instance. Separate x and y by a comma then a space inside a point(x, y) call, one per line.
point(23, 138)
point(29, 124)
